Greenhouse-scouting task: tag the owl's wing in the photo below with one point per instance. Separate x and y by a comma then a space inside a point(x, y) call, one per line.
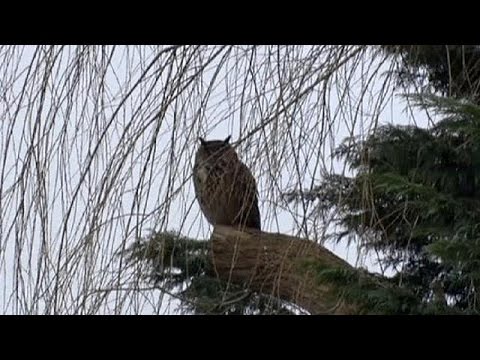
point(254, 217)
point(248, 188)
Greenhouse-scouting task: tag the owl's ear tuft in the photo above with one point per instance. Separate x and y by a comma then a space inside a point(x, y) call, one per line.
point(202, 141)
point(227, 140)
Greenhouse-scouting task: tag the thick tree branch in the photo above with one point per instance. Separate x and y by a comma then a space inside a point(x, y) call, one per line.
point(279, 265)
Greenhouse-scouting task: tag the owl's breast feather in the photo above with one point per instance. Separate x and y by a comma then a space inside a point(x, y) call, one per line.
point(202, 174)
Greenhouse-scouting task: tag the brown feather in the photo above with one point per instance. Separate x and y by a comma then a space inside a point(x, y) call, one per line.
point(224, 186)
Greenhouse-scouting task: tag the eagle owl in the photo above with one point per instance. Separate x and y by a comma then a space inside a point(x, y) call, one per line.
point(224, 186)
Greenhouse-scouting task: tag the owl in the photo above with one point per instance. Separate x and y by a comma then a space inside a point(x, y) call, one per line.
point(224, 186)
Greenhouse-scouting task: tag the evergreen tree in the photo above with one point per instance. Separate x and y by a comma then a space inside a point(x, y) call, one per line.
point(450, 70)
point(415, 195)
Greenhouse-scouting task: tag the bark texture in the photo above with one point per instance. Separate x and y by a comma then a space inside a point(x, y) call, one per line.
point(279, 265)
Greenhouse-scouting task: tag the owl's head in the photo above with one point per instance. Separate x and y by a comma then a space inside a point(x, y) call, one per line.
point(212, 150)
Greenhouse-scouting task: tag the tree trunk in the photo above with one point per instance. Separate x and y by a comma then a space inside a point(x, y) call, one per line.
point(279, 265)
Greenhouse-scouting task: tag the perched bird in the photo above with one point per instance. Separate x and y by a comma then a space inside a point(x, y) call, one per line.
point(224, 186)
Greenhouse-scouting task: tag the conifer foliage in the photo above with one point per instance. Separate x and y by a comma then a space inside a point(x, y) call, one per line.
point(415, 196)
